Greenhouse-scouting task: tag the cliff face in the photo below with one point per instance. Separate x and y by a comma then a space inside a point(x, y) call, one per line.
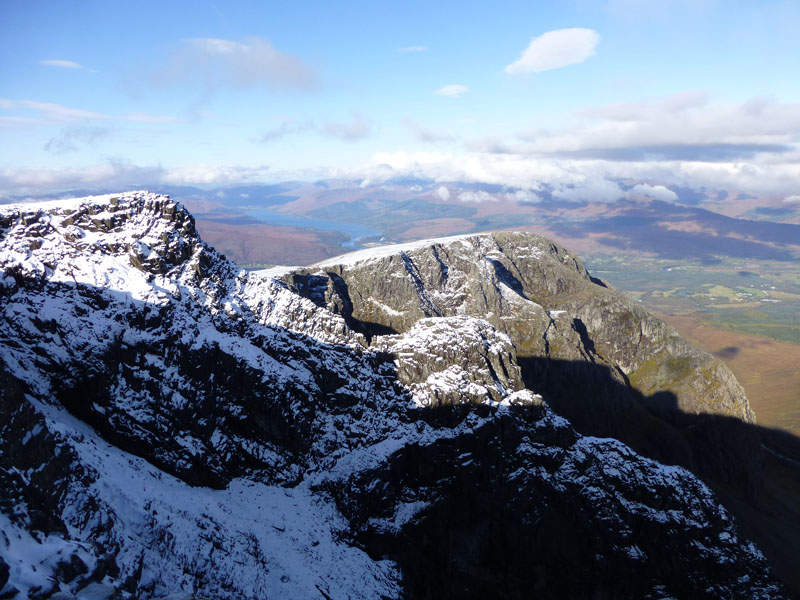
point(171, 424)
point(599, 359)
point(537, 293)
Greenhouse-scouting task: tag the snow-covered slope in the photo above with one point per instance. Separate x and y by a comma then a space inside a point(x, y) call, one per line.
point(173, 425)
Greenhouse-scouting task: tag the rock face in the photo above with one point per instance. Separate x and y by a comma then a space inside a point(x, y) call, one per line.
point(170, 424)
point(534, 291)
point(600, 359)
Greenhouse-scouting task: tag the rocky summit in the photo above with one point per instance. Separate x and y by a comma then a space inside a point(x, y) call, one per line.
point(471, 417)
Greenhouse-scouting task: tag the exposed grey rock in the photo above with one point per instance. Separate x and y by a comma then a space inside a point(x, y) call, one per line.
point(174, 426)
point(598, 358)
point(517, 281)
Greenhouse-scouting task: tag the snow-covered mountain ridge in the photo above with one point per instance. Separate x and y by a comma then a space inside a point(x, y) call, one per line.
point(173, 425)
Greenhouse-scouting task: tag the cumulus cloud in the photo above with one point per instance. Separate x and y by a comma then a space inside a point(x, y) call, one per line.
point(476, 196)
point(793, 198)
point(658, 192)
point(70, 139)
point(525, 196)
point(62, 64)
point(358, 128)
point(452, 90)
point(212, 63)
point(442, 193)
point(594, 188)
point(556, 49)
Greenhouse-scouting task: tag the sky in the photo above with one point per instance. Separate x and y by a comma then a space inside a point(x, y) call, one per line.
point(577, 95)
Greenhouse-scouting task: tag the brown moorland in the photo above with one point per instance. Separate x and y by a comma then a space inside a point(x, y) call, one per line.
point(768, 370)
point(261, 245)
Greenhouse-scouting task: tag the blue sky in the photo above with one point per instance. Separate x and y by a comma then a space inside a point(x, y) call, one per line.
point(667, 92)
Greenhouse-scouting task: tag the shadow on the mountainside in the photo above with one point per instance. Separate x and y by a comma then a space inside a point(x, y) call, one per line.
point(113, 377)
point(754, 469)
point(728, 352)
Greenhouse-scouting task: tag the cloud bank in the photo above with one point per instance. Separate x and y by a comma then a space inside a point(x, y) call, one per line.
point(684, 126)
point(121, 174)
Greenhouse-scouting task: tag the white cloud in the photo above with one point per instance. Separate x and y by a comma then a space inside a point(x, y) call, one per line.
point(413, 49)
point(670, 104)
point(50, 110)
point(122, 174)
point(288, 126)
point(792, 198)
point(62, 64)
point(594, 188)
point(69, 139)
point(527, 196)
point(556, 49)
point(113, 173)
point(658, 192)
point(212, 174)
point(358, 128)
point(212, 63)
point(442, 193)
point(428, 135)
point(453, 90)
point(685, 126)
point(477, 197)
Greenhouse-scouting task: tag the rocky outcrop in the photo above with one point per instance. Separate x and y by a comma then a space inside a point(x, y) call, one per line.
point(537, 293)
point(598, 358)
point(173, 425)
